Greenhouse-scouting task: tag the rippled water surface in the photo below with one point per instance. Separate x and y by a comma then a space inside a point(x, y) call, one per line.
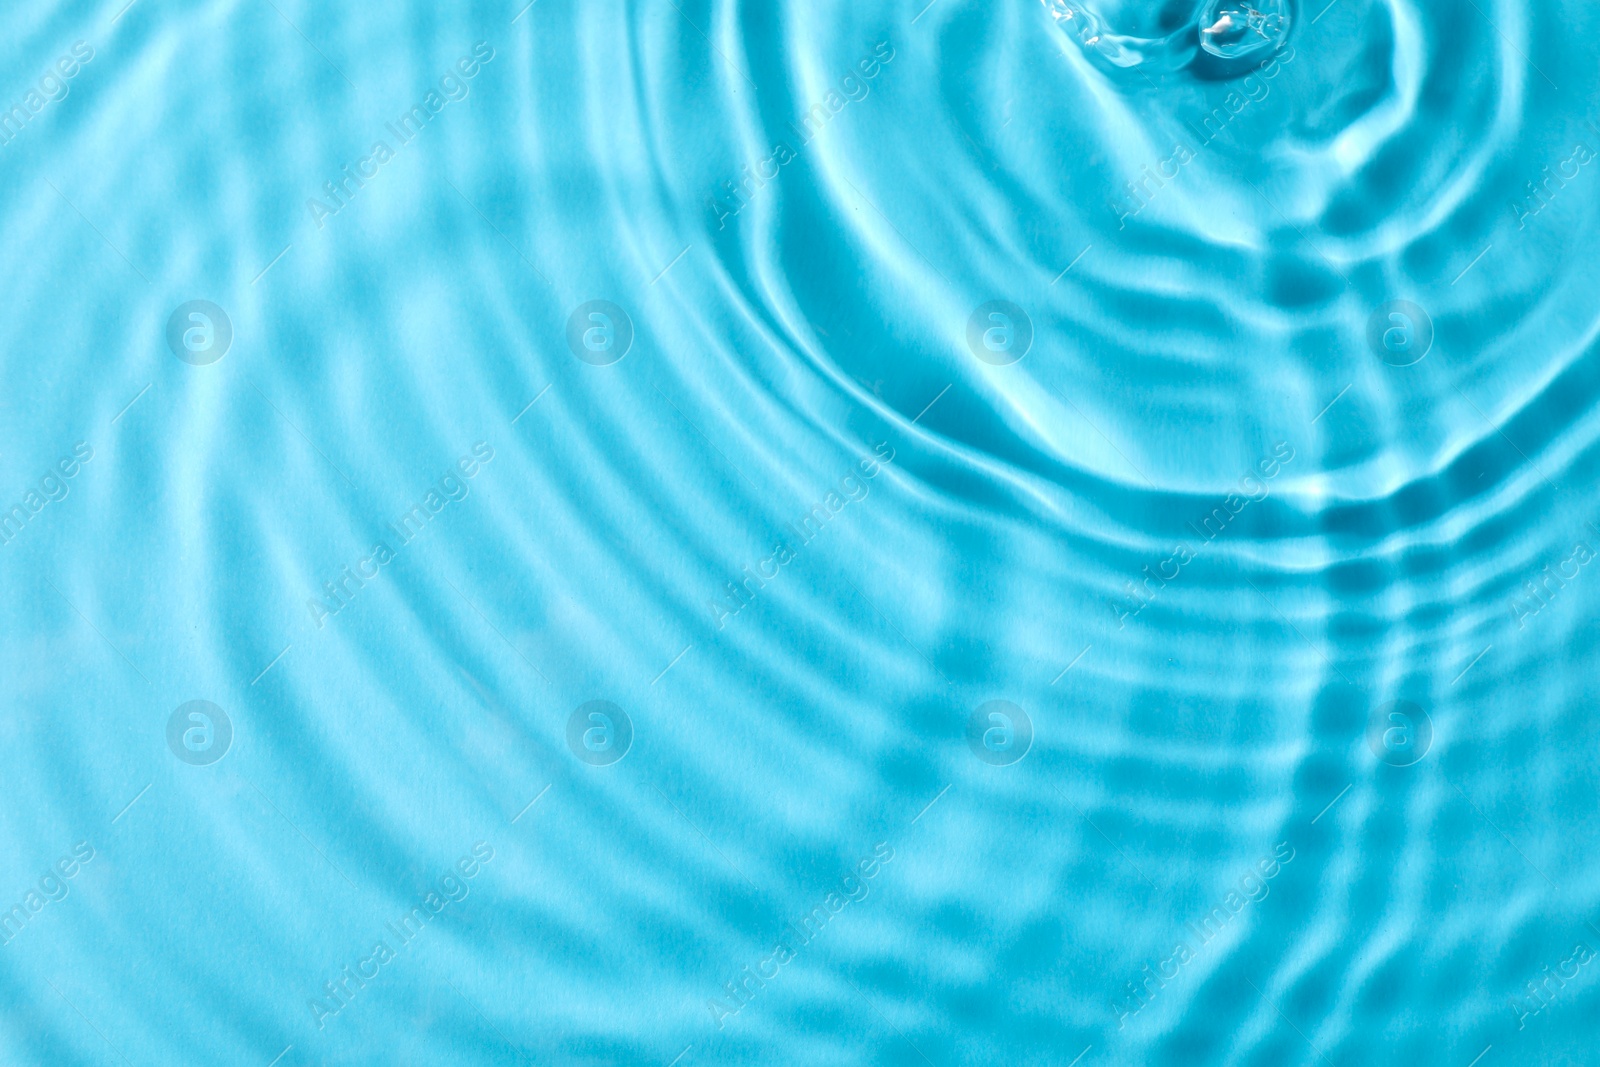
point(687, 533)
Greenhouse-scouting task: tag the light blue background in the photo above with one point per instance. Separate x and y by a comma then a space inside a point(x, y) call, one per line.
point(775, 748)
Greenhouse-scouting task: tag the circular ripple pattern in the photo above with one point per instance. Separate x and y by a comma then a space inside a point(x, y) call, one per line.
point(645, 356)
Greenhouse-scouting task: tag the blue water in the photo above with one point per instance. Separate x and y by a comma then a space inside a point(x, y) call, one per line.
point(697, 533)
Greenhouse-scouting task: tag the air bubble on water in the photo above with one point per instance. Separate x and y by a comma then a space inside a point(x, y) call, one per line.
point(1230, 29)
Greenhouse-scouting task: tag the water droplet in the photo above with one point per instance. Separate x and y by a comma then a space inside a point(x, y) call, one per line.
point(1231, 29)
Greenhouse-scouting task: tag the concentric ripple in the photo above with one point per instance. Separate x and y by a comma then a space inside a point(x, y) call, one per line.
point(690, 532)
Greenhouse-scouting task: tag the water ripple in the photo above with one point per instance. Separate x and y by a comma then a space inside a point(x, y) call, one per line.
point(688, 532)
